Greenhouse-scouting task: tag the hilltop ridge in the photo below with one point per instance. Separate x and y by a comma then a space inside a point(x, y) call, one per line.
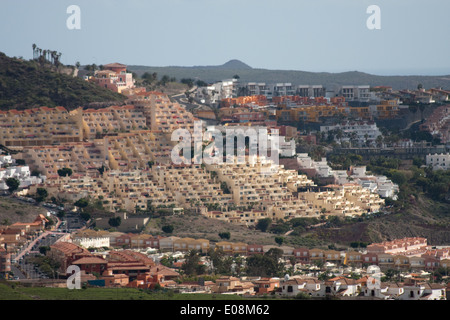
point(27, 84)
point(235, 65)
point(296, 77)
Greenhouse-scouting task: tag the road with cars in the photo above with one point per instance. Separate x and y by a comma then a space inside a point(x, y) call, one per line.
point(21, 264)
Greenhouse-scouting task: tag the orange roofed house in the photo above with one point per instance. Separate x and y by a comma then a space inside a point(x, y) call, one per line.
point(157, 275)
point(17, 233)
point(233, 285)
point(133, 264)
point(65, 253)
point(266, 285)
point(91, 264)
point(117, 268)
point(5, 260)
point(114, 77)
point(37, 225)
point(406, 246)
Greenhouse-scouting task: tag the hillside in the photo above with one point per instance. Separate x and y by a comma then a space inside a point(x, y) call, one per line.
point(424, 218)
point(328, 80)
point(12, 211)
point(25, 84)
point(198, 226)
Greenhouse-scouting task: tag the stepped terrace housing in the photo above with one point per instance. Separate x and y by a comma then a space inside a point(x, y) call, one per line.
point(121, 156)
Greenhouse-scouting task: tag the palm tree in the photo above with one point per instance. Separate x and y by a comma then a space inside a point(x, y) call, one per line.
point(57, 60)
point(54, 57)
point(366, 138)
point(34, 50)
point(379, 141)
point(353, 137)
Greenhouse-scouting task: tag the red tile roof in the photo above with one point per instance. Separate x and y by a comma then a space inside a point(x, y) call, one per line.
point(114, 65)
point(90, 260)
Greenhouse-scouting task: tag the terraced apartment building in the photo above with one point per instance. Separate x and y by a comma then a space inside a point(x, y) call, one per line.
point(38, 126)
point(121, 156)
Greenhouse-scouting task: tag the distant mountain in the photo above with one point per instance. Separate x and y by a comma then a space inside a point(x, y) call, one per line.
point(230, 65)
point(235, 65)
point(328, 80)
point(26, 84)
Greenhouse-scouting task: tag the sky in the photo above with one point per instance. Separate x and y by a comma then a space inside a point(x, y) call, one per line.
point(307, 35)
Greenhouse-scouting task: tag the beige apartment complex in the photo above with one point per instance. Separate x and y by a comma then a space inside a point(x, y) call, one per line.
point(121, 156)
point(38, 126)
point(275, 195)
point(110, 120)
point(160, 113)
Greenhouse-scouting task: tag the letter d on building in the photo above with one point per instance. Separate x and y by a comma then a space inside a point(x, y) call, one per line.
point(71, 284)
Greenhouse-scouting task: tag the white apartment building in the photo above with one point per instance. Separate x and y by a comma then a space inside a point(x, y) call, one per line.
point(376, 184)
point(260, 88)
point(6, 160)
point(209, 94)
point(379, 184)
point(283, 89)
point(90, 242)
point(321, 167)
point(423, 291)
point(8, 169)
point(285, 148)
point(386, 188)
point(305, 161)
point(217, 91)
point(91, 239)
point(311, 91)
point(355, 93)
point(359, 131)
point(438, 161)
point(228, 88)
point(341, 176)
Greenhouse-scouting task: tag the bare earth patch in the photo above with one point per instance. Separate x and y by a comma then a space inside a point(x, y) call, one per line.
point(12, 211)
point(196, 226)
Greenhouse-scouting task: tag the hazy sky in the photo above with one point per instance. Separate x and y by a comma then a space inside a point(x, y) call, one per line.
point(313, 35)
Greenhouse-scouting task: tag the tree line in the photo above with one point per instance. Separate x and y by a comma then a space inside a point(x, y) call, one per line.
point(42, 55)
point(265, 265)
